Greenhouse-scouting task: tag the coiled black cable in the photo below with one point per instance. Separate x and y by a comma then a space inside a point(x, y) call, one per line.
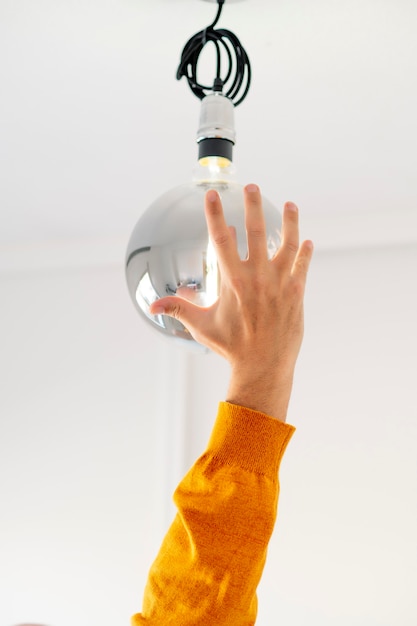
point(222, 39)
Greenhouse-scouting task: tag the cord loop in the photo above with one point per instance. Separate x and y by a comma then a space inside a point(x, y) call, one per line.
point(237, 62)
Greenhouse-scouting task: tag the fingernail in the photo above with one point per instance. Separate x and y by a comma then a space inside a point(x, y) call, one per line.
point(211, 195)
point(290, 206)
point(252, 188)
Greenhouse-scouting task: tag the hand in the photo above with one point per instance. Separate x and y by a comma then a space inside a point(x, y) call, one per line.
point(257, 321)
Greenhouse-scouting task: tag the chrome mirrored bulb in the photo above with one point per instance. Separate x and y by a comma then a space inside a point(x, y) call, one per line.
point(169, 252)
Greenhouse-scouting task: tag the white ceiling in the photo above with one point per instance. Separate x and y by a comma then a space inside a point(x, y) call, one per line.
point(94, 124)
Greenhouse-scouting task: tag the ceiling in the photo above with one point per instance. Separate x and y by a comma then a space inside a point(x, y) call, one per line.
point(94, 124)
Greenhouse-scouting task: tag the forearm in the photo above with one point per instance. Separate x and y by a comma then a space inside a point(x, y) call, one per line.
point(212, 558)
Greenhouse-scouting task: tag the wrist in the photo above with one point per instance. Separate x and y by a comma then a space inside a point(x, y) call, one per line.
point(266, 391)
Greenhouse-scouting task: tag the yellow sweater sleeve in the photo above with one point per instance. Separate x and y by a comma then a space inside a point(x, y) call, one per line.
point(212, 558)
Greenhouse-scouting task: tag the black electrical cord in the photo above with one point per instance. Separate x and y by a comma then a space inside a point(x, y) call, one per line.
point(222, 39)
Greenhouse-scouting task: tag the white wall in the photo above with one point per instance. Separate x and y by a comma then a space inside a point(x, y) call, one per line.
point(345, 550)
point(99, 418)
point(84, 418)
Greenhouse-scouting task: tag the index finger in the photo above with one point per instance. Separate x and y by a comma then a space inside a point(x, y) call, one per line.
point(222, 239)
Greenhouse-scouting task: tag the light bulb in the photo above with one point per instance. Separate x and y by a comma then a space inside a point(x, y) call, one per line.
point(169, 252)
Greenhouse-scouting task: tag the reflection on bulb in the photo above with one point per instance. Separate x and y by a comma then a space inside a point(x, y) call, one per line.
point(145, 296)
point(169, 252)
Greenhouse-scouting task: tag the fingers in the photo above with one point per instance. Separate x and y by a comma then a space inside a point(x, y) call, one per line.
point(222, 238)
point(255, 224)
point(302, 260)
point(290, 256)
point(290, 237)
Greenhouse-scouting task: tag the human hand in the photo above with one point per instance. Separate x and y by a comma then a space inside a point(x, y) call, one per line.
point(257, 321)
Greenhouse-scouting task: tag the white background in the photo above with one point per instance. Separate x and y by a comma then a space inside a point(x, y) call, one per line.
point(99, 417)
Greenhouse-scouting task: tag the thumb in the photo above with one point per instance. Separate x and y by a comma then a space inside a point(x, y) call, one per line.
point(175, 306)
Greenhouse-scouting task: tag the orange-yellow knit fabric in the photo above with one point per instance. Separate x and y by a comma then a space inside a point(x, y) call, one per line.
point(212, 558)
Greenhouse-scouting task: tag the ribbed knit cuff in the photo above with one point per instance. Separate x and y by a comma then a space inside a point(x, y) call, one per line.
point(249, 439)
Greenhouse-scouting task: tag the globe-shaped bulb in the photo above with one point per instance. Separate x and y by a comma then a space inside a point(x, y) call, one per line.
point(169, 252)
